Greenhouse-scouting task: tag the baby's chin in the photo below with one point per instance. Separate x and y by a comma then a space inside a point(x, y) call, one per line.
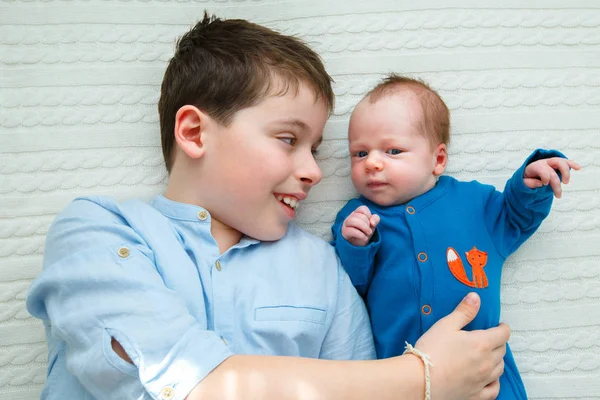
point(383, 200)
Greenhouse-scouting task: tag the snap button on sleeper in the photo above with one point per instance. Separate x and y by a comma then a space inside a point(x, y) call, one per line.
point(167, 393)
point(123, 252)
point(426, 309)
point(410, 209)
point(422, 256)
point(202, 215)
point(218, 265)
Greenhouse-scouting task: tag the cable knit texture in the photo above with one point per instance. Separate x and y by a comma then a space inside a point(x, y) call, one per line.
point(79, 83)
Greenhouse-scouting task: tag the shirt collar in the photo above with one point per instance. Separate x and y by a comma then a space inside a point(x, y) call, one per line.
point(189, 212)
point(175, 210)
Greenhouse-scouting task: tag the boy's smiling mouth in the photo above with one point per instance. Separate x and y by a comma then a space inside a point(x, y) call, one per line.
point(290, 201)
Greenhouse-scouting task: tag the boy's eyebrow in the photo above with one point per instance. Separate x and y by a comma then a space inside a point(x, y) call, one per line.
point(295, 123)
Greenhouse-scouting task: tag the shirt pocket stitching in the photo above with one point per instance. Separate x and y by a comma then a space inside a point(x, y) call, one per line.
point(290, 313)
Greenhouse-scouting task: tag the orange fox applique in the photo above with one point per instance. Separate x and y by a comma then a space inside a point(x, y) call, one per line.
point(476, 258)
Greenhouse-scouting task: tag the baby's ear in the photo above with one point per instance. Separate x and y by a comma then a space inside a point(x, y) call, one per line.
point(189, 123)
point(441, 158)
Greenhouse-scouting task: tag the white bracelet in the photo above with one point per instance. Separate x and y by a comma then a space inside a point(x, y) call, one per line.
point(425, 358)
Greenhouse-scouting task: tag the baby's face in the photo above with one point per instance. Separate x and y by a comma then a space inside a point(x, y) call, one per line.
point(392, 161)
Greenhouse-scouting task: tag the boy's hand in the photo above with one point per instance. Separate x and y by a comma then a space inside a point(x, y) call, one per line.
point(467, 364)
point(360, 226)
point(543, 172)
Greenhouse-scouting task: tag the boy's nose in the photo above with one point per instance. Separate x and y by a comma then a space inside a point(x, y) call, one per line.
point(373, 162)
point(309, 172)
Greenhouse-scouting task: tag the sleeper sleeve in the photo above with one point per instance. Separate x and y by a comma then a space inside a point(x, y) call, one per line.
point(514, 215)
point(358, 261)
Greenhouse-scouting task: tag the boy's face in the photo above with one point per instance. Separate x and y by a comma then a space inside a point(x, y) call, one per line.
point(257, 169)
point(392, 161)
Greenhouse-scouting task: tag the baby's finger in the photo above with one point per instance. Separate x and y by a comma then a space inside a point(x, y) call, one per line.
point(555, 184)
point(374, 220)
point(574, 165)
point(546, 172)
point(532, 183)
point(360, 222)
point(562, 166)
point(364, 210)
point(356, 237)
point(358, 214)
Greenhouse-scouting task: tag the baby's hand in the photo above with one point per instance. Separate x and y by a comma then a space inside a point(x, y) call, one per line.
point(543, 172)
point(360, 226)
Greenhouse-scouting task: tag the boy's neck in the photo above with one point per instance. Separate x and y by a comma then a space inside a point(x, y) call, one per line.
point(224, 235)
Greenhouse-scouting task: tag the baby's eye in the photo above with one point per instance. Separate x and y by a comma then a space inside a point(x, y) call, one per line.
point(360, 154)
point(394, 152)
point(289, 140)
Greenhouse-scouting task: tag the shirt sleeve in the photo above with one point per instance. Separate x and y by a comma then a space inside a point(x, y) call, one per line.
point(99, 282)
point(349, 337)
point(515, 214)
point(357, 260)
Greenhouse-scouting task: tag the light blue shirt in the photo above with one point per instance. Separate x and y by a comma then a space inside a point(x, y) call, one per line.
point(151, 277)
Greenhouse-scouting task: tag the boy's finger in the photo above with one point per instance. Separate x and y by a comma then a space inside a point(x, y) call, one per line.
point(498, 336)
point(465, 312)
point(491, 390)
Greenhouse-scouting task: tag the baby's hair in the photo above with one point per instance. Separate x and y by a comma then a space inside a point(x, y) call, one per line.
point(436, 116)
point(224, 66)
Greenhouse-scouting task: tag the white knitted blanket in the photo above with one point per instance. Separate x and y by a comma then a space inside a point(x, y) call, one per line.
point(79, 82)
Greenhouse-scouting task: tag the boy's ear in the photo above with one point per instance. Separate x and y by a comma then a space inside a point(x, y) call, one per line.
point(441, 158)
point(189, 125)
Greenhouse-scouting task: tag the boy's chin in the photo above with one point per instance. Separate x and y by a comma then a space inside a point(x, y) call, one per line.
point(269, 235)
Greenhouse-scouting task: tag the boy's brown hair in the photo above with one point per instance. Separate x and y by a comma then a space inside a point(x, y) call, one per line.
point(436, 116)
point(223, 66)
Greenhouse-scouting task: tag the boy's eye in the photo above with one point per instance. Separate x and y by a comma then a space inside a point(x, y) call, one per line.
point(360, 154)
point(289, 140)
point(394, 152)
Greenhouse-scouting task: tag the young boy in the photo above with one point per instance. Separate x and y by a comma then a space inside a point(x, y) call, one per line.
point(198, 294)
point(415, 241)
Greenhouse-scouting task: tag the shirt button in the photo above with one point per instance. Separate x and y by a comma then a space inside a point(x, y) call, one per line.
point(410, 209)
point(218, 265)
point(426, 309)
point(202, 215)
point(123, 252)
point(167, 393)
point(422, 256)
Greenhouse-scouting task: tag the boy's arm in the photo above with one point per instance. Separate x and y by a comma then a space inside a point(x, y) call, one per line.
point(100, 292)
point(514, 215)
point(467, 365)
point(357, 260)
